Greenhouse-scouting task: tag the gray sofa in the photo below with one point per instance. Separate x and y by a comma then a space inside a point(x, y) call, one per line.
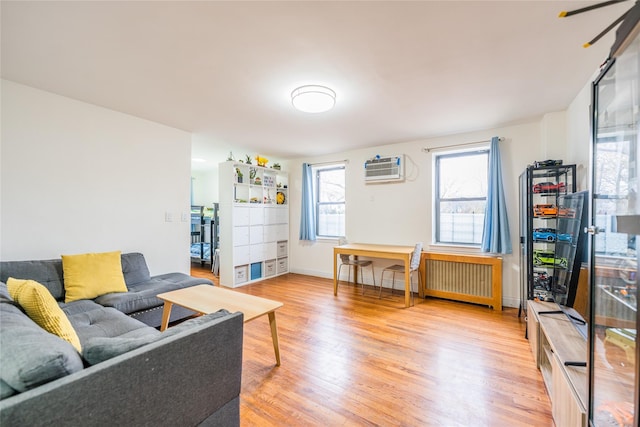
point(129, 373)
point(139, 302)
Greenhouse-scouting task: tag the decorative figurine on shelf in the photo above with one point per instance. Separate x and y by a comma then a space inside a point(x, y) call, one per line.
point(261, 161)
point(239, 175)
point(248, 159)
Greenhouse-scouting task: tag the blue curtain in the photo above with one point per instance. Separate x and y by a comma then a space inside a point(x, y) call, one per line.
point(308, 213)
point(192, 198)
point(495, 235)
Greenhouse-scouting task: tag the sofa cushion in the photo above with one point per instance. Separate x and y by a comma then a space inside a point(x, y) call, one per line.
point(43, 309)
point(30, 355)
point(90, 275)
point(142, 296)
point(134, 268)
point(91, 320)
point(46, 272)
point(99, 349)
point(6, 390)
point(4, 293)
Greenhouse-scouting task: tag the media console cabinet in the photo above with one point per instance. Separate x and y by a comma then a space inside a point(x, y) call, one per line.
point(560, 353)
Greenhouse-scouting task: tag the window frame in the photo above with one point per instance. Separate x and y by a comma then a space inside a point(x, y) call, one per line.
point(317, 171)
point(437, 200)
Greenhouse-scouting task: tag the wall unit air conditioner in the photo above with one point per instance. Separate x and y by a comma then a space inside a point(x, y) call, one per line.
point(384, 169)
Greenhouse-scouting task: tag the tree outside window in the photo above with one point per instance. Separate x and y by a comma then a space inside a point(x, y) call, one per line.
point(612, 192)
point(460, 196)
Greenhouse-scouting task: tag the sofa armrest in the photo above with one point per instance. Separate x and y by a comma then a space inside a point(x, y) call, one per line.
point(180, 380)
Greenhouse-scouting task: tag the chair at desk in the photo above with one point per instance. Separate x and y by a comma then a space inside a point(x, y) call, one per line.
point(355, 263)
point(397, 268)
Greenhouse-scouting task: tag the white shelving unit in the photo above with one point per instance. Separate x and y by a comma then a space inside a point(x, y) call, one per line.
point(254, 223)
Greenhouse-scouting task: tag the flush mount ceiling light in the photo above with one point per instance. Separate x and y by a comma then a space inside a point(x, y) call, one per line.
point(313, 99)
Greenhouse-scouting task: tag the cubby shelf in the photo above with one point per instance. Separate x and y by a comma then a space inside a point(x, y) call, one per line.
point(254, 217)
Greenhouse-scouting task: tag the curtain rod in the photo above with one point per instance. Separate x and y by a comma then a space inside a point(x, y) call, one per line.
point(329, 163)
point(427, 150)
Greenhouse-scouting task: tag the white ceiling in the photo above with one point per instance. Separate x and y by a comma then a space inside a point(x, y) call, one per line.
point(224, 71)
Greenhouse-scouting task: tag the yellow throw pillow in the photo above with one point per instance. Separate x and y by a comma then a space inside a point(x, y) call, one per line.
point(42, 308)
point(88, 276)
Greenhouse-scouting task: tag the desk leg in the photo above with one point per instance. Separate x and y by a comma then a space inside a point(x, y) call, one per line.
point(407, 282)
point(335, 274)
point(355, 272)
point(166, 313)
point(422, 278)
point(274, 336)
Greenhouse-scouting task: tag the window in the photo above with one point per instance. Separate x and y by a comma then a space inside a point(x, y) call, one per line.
point(612, 192)
point(460, 196)
point(330, 201)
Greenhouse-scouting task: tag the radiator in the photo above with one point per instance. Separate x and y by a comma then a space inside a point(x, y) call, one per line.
point(468, 278)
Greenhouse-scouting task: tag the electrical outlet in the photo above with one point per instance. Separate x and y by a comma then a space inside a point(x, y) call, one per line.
point(184, 217)
point(168, 217)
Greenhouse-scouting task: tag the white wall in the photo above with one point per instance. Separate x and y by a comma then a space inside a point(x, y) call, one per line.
point(401, 213)
point(80, 178)
point(579, 135)
point(553, 136)
point(205, 187)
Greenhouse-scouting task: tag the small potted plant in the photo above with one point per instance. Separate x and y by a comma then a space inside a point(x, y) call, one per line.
point(248, 159)
point(276, 166)
point(262, 161)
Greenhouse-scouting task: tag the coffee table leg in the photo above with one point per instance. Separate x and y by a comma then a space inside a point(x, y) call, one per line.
point(274, 335)
point(166, 313)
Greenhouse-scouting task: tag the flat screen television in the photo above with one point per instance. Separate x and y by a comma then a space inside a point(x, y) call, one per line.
point(568, 291)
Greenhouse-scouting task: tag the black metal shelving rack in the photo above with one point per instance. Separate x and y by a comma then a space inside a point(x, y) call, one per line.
point(529, 273)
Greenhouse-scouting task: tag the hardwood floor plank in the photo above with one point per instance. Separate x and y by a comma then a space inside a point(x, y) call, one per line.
point(355, 360)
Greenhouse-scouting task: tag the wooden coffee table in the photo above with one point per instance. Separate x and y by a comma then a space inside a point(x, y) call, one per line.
point(207, 299)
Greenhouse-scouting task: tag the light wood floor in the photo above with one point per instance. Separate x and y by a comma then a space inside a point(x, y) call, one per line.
point(356, 360)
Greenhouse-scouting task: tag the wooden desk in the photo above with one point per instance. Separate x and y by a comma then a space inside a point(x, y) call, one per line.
point(402, 253)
